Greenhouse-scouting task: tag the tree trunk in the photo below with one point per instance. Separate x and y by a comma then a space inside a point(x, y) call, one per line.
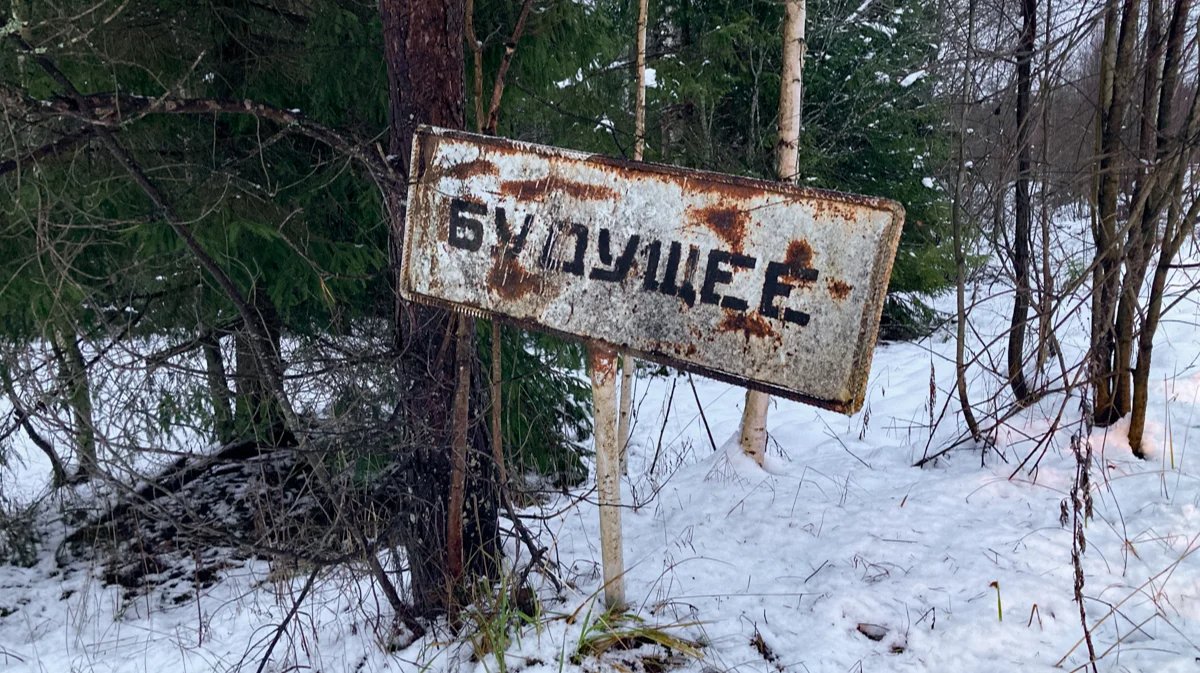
point(1045, 309)
point(495, 374)
point(1143, 222)
point(218, 387)
point(1173, 159)
point(496, 395)
point(628, 365)
point(1141, 371)
point(603, 365)
point(476, 48)
point(77, 387)
point(424, 58)
point(257, 409)
point(1023, 212)
point(1116, 76)
point(1175, 234)
point(23, 419)
point(459, 420)
point(956, 224)
point(753, 437)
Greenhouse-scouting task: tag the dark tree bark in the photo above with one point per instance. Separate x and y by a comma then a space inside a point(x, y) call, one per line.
point(1178, 225)
point(258, 411)
point(1024, 214)
point(1120, 31)
point(1148, 200)
point(218, 387)
point(956, 223)
point(424, 55)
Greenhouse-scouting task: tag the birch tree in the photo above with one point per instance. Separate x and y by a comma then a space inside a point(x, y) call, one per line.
point(753, 438)
point(628, 364)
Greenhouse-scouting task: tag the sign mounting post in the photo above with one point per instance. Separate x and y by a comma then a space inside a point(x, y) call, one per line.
point(602, 361)
point(763, 284)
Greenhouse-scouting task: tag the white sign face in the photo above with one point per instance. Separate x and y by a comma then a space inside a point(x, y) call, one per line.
point(771, 286)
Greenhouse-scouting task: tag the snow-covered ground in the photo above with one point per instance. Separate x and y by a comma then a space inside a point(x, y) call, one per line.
point(960, 565)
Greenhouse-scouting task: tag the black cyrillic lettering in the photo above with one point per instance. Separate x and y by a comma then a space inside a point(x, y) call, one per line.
point(653, 253)
point(687, 289)
point(623, 263)
point(738, 261)
point(772, 288)
point(673, 254)
point(510, 243)
point(466, 232)
point(714, 275)
point(776, 287)
point(798, 317)
point(575, 266)
point(604, 246)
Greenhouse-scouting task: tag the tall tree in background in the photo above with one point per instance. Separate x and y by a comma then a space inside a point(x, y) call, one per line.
point(1116, 86)
point(1160, 213)
point(1023, 210)
point(628, 364)
point(1171, 156)
point(958, 218)
point(753, 437)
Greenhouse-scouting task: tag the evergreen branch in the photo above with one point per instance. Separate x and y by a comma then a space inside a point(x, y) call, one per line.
point(114, 111)
point(261, 341)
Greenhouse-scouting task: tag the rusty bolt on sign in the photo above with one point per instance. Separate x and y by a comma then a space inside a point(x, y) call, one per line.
point(763, 284)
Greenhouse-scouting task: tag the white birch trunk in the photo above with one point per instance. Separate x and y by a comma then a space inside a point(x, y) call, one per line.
point(603, 364)
point(753, 439)
point(639, 147)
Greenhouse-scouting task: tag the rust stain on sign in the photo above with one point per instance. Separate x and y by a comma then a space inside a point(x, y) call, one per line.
point(510, 280)
point(471, 168)
point(799, 254)
point(838, 289)
point(768, 285)
point(748, 324)
point(536, 189)
point(727, 222)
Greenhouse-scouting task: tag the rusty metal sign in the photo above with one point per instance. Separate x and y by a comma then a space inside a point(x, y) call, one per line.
point(763, 284)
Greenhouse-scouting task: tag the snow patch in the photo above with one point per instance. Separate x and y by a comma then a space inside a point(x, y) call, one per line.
point(562, 84)
point(912, 78)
